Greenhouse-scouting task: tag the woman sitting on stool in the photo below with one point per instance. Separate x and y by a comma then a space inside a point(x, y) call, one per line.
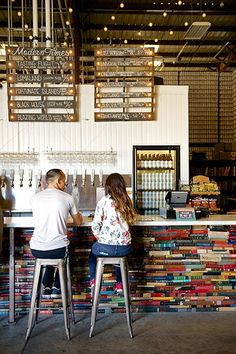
point(110, 226)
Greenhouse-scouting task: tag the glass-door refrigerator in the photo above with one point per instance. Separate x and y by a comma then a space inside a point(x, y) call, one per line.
point(156, 170)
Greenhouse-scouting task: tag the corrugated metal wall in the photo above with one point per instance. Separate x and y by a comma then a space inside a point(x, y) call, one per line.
point(170, 127)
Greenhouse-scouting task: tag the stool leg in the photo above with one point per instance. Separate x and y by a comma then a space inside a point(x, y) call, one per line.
point(125, 281)
point(33, 299)
point(39, 293)
point(98, 279)
point(64, 298)
point(69, 290)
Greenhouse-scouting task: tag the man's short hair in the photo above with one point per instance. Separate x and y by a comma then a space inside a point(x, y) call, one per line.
point(52, 174)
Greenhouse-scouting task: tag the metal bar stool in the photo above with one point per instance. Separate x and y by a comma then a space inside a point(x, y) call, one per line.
point(66, 292)
point(101, 262)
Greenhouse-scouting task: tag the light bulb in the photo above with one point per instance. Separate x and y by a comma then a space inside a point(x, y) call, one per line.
point(122, 5)
point(113, 18)
point(105, 28)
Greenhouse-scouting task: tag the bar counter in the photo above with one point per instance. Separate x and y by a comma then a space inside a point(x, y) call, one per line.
point(141, 220)
point(175, 266)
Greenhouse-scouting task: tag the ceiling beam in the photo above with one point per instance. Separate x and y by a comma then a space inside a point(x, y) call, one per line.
point(167, 42)
point(128, 27)
point(93, 43)
point(108, 6)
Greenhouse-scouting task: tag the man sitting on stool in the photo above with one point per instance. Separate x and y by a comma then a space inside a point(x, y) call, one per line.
point(51, 208)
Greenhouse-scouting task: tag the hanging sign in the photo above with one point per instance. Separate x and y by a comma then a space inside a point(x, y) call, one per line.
point(41, 84)
point(124, 84)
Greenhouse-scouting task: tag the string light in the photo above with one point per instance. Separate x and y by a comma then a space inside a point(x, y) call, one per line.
point(186, 23)
point(19, 13)
point(67, 23)
point(105, 28)
point(139, 33)
point(150, 24)
point(180, 2)
point(113, 18)
point(171, 32)
point(156, 40)
point(164, 13)
point(203, 14)
point(125, 41)
point(98, 38)
point(70, 10)
point(122, 5)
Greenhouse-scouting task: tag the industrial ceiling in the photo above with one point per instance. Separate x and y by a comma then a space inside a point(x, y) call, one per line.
point(186, 35)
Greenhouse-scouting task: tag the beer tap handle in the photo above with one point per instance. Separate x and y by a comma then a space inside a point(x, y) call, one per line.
point(92, 177)
point(12, 175)
point(83, 178)
point(3, 179)
point(101, 178)
point(67, 177)
point(39, 178)
point(75, 178)
point(21, 174)
point(30, 177)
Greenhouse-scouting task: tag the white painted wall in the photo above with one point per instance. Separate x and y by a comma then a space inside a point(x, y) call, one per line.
point(169, 128)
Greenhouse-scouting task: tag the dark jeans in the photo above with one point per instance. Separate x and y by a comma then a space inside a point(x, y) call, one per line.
point(103, 250)
point(50, 278)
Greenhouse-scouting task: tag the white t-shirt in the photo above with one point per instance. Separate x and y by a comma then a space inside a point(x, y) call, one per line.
point(51, 209)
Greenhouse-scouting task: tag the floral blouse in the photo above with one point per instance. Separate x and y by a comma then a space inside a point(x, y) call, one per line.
point(108, 226)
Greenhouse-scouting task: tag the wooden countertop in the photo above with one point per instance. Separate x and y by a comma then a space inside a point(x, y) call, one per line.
point(142, 220)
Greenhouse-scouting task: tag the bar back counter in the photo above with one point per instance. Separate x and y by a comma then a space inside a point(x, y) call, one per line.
point(175, 266)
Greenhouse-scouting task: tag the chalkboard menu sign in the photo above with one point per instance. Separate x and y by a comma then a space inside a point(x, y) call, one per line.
point(41, 84)
point(124, 84)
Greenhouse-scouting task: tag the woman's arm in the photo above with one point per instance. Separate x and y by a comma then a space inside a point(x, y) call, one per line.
point(97, 220)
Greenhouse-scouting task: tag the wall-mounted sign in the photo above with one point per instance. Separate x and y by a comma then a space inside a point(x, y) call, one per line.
point(41, 84)
point(124, 84)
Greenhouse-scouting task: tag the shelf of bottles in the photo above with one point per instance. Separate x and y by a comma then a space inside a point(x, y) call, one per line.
point(156, 170)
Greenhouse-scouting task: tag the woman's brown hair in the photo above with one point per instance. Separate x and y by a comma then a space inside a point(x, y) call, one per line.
point(115, 186)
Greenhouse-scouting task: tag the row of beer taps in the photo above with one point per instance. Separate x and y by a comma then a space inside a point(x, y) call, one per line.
point(21, 172)
point(39, 175)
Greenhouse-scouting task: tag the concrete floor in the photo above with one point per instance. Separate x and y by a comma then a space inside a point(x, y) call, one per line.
point(154, 333)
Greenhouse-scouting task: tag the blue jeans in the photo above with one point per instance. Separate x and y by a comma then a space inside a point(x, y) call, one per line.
point(49, 279)
point(103, 250)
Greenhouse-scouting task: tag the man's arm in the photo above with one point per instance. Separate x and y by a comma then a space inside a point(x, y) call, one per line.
point(77, 218)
